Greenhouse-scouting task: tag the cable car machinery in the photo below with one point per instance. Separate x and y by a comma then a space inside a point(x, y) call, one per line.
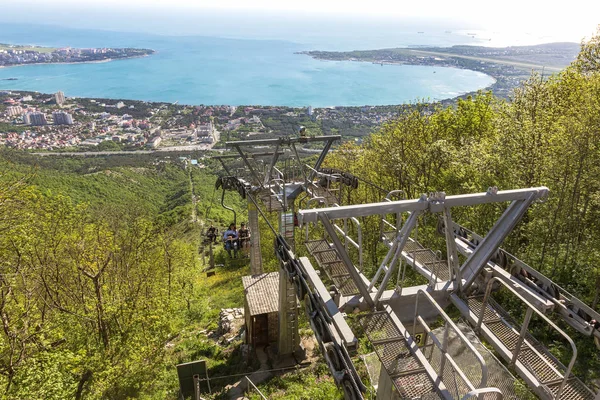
point(392, 318)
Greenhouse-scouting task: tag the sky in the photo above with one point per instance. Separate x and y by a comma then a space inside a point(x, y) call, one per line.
point(569, 20)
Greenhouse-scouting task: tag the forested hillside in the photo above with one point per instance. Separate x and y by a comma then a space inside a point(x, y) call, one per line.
point(98, 261)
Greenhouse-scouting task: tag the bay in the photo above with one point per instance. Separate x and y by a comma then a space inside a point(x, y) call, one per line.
point(206, 70)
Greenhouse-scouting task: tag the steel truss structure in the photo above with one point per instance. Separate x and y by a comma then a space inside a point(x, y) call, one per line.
point(416, 360)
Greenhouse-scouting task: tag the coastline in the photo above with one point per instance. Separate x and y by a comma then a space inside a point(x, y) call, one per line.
point(490, 87)
point(79, 62)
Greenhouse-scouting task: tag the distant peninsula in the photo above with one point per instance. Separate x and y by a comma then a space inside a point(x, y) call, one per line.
point(508, 65)
point(13, 55)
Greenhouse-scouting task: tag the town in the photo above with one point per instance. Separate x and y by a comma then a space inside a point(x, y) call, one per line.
point(11, 55)
point(47, 122)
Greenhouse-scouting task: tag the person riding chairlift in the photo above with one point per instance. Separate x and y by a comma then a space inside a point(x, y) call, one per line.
point(230, 239)
point(244, 235)
point(212, 233)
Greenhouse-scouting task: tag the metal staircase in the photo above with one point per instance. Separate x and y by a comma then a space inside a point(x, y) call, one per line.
point(403, 361)
point(548, 377)
point(329, 260)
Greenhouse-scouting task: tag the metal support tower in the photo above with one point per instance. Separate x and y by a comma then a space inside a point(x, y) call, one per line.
point(255, 255)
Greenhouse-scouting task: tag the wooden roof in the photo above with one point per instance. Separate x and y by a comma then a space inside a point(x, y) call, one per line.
point(262, 293)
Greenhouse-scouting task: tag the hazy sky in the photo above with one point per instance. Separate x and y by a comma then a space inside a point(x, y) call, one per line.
point(570, 20)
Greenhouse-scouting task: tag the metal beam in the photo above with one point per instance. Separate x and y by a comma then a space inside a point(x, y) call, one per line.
point(328, 304)
point(488, 197)
point(451, 251)
point(424, 203)
point(399, 243)
point(273, 162)
point(245, 159)
point(258, 154)
point(283, 141)
point(364, 210)
point(337, 244)
point(488, 246)
point(321, 158)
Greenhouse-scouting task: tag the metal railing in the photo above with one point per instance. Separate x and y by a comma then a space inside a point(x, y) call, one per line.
point(357, 244)
point(279, 181)
point(479, 393)
point(398, 217)
point(443, 346)
point(530, 310)
point(253, 386)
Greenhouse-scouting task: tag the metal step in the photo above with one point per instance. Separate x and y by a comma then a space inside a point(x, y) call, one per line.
point(425, 261)
point(329, 261)
point(534, 357)
point(271, 201)
point(404, 368)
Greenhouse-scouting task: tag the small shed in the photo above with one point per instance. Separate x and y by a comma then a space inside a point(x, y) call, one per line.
point(261, 306)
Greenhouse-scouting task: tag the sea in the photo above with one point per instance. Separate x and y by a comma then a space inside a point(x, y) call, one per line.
point(247, 69)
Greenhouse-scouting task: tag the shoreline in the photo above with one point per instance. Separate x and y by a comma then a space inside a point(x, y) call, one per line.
point(79, 62)
point(400, 63)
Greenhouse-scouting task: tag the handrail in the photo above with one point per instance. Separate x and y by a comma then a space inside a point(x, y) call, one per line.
point(228, 208)
point(481, 391)
point(530, 309)
point(319, 173)
point(313, 199)
point(254, 387)
point(282, 186)
point(443, 346)
point(383, 220)
point(347, 238)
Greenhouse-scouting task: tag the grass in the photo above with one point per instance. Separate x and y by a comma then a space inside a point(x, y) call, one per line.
point(39, 49)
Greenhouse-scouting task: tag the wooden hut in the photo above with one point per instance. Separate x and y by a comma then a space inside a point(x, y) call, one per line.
point(261, 306)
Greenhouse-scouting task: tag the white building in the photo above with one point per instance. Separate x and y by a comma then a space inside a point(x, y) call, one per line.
point(120, 104)
point(62, 118)
point(35, 119)
point(309, 111)
point(14, 111)
point(59, 98)
point(154, 142)
point(204, 130)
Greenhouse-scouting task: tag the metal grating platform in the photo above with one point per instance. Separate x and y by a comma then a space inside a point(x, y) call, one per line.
point(329, 261)
point(413, 252)
point(330, 198)
point(415, 386)
point(574, 390)
point(271, 201)
point(533, 354)
point(404, 368)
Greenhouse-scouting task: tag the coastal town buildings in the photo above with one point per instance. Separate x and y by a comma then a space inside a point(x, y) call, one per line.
point(62, 118)
point(59, 98)
point(154, 142)
point(137, 124)
point(14, 111)
point(35, 119)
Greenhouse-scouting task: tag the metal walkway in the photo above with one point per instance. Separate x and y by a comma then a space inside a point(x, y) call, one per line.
point(403, 361)
point(329, 261)
point(534, 362)
point(424, 260)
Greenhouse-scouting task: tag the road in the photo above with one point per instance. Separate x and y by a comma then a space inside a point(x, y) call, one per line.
point(520, 64)
point(199, 147)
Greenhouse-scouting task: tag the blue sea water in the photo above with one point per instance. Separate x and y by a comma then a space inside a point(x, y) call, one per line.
point(210, 70)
